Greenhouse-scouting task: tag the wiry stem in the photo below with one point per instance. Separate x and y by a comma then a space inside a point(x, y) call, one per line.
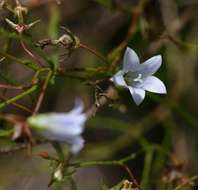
point(187, 182)
point(19, 61)
point(18, 105)
point(34, 57)
point(14, 99)
point(7, 86)
point(41, 96)
point(96, 53)
point(120, 162)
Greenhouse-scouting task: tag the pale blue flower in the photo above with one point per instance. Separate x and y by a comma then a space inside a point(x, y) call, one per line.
point(138, 77)
point(63, 127)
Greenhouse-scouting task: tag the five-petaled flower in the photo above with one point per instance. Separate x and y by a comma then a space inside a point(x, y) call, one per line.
point(138, 77)
point(63, 127)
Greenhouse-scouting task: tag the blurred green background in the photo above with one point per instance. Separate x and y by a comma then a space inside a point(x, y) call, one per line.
point(166, 27)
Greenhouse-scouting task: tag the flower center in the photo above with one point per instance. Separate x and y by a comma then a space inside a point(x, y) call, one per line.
point(133, 78)
point(138, 79)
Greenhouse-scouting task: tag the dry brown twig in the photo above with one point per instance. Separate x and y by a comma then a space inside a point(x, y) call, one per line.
point(187, 182)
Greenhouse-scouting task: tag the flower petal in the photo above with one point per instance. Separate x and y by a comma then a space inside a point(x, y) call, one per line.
point(77, 144)
point(153, 84)
point(70, 124)
point(78, 107)
point(63, 127)
point(138, 94)
point(118, 79)
point(150, 66)
point(131, 60)
point(59, 123)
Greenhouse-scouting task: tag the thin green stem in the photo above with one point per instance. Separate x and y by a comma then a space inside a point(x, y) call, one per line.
point(147, 169)
point(109, 162)
point(112, 163)
point(17, 105)
point(131, 156)
point(58, 150)
point(120, 163)
point(99, 163)
point(14, 99)
point(37, 73)
point(26, 63)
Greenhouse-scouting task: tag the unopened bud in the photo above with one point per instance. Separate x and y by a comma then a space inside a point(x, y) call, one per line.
point(19, 11)
point(58, 174)
point(21, 27)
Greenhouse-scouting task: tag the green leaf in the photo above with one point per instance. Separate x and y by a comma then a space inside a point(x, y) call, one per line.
point(106, 3)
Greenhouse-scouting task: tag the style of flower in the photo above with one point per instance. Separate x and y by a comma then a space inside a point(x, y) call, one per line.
point(138, 77)
point(63, 127)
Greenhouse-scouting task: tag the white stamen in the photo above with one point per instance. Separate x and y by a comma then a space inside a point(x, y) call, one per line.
point(138, 79)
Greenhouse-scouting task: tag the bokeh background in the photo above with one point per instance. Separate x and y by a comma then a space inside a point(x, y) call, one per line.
point(119, 128)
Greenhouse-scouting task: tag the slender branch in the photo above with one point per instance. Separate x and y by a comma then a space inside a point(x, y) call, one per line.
point(96, 53)
point(18, 105)
point(120, 162)
point(131, 176)
point(34, 57)
point(187, 182)
point(11, 118)
point(147, 168)
point(41, 96)
point(110, 163)
point(26, 63)
point(7, 86)
point(14, 99)
point(181, 43)
point(19, 147)
point(8, 150)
